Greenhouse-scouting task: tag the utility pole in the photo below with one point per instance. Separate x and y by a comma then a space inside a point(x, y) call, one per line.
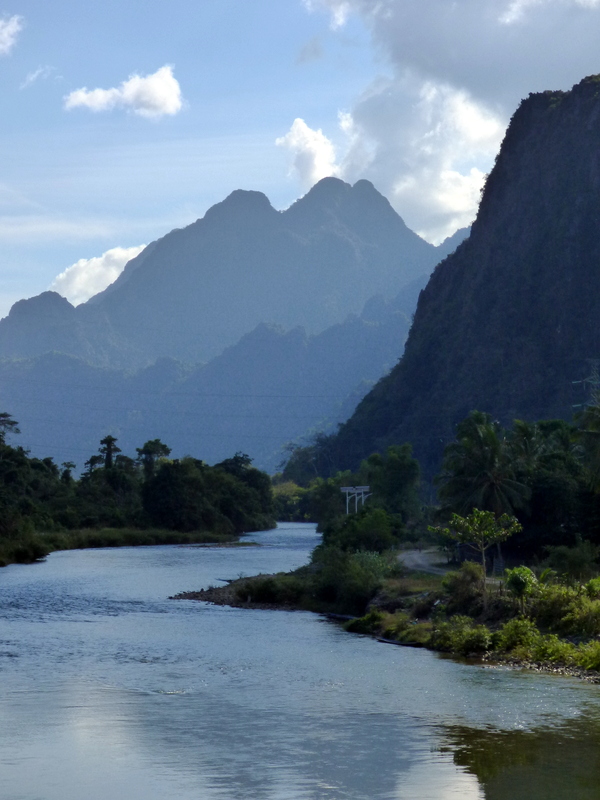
point(356, 493)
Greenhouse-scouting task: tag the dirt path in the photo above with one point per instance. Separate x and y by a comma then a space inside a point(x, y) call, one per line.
point(424, 561)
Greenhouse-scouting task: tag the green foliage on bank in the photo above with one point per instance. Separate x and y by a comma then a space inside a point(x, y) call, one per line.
point(544, 620)
point(120, 500)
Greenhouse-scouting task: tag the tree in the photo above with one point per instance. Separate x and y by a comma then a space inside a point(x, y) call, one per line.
point(66, 475)
point(92, 463)
point(7, 425)
point(480, 530)
point(520, 582)
point(394, 479)
point(478, 470)
point(109, 449)
point(149, 454)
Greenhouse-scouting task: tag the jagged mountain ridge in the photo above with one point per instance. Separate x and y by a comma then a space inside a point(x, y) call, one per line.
point(507, 322)
point(199, 289)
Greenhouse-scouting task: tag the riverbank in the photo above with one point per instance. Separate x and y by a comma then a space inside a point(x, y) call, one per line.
point(416, 611)
point(35, 547)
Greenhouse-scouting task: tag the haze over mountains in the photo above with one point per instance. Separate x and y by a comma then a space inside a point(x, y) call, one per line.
point(199, 289)
point(296, 313)
point(509, 321)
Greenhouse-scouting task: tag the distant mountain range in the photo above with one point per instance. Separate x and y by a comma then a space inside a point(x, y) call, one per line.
point(510, 320)
point(199, 289)
point(268, 389)
point(295, 315)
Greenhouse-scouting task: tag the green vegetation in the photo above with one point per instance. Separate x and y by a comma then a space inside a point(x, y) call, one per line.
point(123, 501)
point(535, 489)
point(552, 623)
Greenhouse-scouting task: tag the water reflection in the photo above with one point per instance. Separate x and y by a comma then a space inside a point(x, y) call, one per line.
point(550, 763)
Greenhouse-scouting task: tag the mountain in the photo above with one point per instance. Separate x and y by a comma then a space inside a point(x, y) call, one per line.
point(199, 289)
point(264, 391)
point(510, 320)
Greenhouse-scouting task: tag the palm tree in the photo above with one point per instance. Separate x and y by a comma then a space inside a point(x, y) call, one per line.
point(478, 470)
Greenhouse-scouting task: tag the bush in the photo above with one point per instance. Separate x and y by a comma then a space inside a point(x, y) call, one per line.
point(464, 587)
point(551, 648)
point(395, 625)
point(371, 530)
point(593, 588)
point(418, 633)
point(347, 581)
point(368, 624)
point(517, 633)
point(576, 563)
point(460, 635)
point(551, 604)
point(521, 583)
point(583, 619)
point(588, 656)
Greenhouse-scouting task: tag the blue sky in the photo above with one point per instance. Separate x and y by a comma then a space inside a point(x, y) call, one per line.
point(413, 95)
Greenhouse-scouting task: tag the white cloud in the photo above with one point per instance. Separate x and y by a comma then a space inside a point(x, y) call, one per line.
point(427, 131)
point(428, 156)
point(151, 96)
point(313, 153)
point(10, 27)
point(339, 9)
point(39, 74)
point(88, 276)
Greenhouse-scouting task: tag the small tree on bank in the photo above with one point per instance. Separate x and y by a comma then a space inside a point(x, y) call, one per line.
point(480, 530)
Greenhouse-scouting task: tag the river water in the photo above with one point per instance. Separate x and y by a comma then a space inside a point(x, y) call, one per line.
point(111, 691)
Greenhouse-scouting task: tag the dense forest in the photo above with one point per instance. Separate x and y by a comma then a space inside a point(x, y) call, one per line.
point(118, 499)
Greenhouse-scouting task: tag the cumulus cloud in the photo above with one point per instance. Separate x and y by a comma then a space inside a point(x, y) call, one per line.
point(427, 130)
point(313, 153)
point(427, 156)
point(150, 96)
point(10, 27)
point(88, 276)
point(499, 50)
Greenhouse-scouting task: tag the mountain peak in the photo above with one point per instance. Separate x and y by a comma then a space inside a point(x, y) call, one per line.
point(242, 204)
point(47, 306)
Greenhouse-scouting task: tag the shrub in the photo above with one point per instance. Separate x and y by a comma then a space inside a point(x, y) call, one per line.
point(521, 583)
point(551, 604)
point(593, 588)
point(347, 581)
point(464, 587)
point(576, 563)
point(370, 623)
point(370, 530)
point(417, 633)
point(395, 625)
point(517, 633)
point(588, 656)
point(583, 619)
point(551, 648)
point(460, 635)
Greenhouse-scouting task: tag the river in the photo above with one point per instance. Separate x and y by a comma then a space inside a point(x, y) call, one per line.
point(110, 691)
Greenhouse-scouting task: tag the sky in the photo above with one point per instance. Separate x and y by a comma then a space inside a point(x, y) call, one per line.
point(122, 120)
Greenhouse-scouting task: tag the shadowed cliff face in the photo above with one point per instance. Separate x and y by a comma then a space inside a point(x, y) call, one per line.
point(507, 322)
